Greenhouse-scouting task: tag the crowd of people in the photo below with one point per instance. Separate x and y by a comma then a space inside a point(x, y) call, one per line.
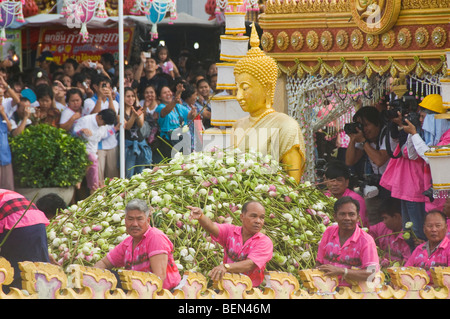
point(161, 97)
point(385, 172)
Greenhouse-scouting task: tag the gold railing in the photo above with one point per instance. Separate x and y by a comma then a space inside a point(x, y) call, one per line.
point(48, 281)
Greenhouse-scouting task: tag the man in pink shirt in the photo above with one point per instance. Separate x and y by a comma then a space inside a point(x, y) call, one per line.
point(147, 248)
point(388, 234)
point(346, 250)
point(435, 252)
point(337, 177)
point(27, 240)
point(246, 249)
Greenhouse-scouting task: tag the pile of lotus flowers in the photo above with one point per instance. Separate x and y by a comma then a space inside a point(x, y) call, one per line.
point(219, 182)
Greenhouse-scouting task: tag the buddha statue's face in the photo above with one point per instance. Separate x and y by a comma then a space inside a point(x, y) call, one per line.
point(251, 94)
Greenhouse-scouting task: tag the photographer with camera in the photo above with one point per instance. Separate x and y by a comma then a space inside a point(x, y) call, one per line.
point(405, 175)
point(367, 137)
point(419, 143)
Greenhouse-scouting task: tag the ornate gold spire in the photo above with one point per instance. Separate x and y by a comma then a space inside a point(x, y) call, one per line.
point(258, 64)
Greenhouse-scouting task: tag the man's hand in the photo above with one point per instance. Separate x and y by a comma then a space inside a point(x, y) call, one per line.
point(409, 128)
point(330, 270)
point(217, 272)
point(196, 212)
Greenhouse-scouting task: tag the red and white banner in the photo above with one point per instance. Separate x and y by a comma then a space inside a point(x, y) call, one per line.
point(68, 43)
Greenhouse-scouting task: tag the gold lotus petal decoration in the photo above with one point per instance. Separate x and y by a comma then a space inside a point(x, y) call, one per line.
point(421, 37)
point(326, 40)
point(267, 41)
point(404, 38)
point(439, 37)
point(342, 39)
point(372, 40)
point(356, 39)
point(297, 40)
point(388, 39)
point(282, 40)
point(312, 40)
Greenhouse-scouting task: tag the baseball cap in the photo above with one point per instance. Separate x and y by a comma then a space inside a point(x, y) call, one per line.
point(45, 56)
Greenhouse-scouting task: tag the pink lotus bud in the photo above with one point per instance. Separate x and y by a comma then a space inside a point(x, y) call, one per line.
point(287, 199)
point(206, 184)
point(179, 224)
point(89, 258)
point(234, 208)
point(384, 263)
point(220, 219)
point(272, 188)
point(214, 180)
point(272, 216)
point(85, 230)
point(311, 211)
point(97, 227)
point(272, 194)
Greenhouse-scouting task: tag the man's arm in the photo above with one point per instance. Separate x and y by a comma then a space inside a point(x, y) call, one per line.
point(103, 263)
point(158, 265)
point(206, 223)
point(238, 267)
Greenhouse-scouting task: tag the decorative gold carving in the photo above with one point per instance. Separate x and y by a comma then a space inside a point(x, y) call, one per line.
point(404, 38)
point(425, 4)
point(276, 6)
point(388, 39)
point(143, 285)
point(312, 40)
point(439, 37)
point(193, 286)
point(356, 39)
point(267, 41)
point(283, 284)
point(342, 39)
point(326, 40)
point(282, 40)
point(297, 40)
point(372, 40)
point(422, 37)
point(375, 17)
point(233, 285)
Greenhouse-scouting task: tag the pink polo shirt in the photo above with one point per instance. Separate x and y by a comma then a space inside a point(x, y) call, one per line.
point(258, 248)
point(358, 251)
point(8, 204)
point(154, 242)
point(394, 246)
point(440, 257)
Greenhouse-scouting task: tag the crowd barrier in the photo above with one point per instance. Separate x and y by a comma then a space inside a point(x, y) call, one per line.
point(48, 281)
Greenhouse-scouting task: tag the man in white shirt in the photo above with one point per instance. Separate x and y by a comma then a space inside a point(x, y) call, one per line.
point(108, 148)
point(93, 128)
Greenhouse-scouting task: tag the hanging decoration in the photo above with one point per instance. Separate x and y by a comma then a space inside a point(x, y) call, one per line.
point(155, 11)
point(80, 12)
point(10, 11)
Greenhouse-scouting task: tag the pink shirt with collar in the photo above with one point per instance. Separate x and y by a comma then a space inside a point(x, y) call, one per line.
point(358, 251)
point(154, 242)
point(438, 258)
point(394, 246)
point(258, 248)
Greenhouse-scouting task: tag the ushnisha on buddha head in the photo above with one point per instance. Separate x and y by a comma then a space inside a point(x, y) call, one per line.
point(256, 66)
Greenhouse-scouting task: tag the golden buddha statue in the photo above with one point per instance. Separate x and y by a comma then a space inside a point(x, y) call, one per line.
point(265, 130)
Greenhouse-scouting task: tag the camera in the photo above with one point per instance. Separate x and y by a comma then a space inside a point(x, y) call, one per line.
point(405, 105)
point(147, 55)
point(350, 128)
point(137, 107)
point(414, 118)
point(92, 65)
